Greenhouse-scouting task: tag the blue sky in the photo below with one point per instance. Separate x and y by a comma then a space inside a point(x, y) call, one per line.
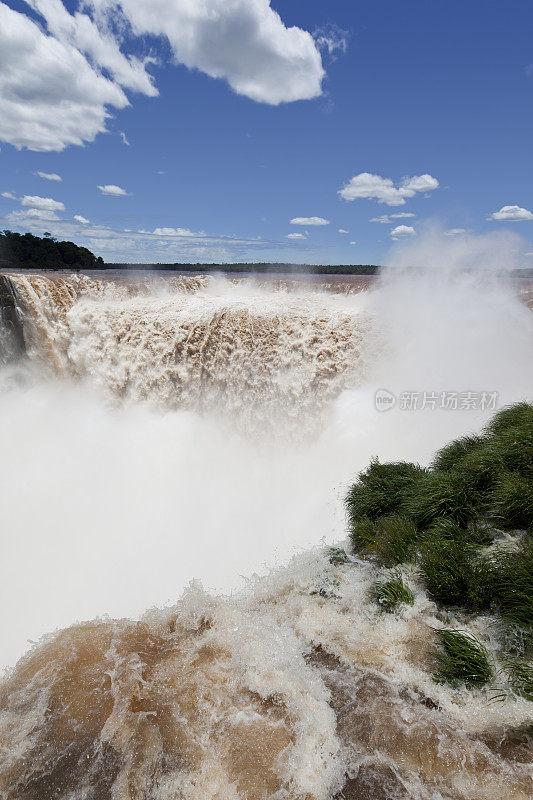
point(366, 111)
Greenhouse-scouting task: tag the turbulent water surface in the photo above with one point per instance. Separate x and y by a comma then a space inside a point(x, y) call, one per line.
point(163, 430)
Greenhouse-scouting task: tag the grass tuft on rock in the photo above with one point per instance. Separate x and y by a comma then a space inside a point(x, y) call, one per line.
point(520, 675)
point(448, 521)
point(392, 593)
point(392, 540)
point(453, 454)
point(518, 415)
point(380, 489)
point(337, 556)
point(461, 659)
point(444, 571)
point(477, 533)
point(512, 502)
point(512, 585)
point(441, 495)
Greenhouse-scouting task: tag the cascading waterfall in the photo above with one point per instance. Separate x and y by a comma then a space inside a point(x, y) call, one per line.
point(295, 687)
point(260, 359)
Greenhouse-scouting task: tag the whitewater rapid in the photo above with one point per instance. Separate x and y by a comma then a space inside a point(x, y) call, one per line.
point(163, 431)
point(182, 428)
point(262, 359)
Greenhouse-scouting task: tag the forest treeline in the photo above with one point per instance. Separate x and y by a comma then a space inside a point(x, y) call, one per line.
point(26, 251)
point(264, 267)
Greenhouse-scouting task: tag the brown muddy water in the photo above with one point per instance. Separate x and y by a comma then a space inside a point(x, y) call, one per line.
point(160, 430)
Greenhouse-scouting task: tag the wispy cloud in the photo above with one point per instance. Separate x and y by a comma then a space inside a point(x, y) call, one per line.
point(331, 39)
point(140, 246)
point(176, 232)
point(49, 176)
point(456, 231)
point(388, 219)
point(113, 190)
point(312, 221)
point(26, 216)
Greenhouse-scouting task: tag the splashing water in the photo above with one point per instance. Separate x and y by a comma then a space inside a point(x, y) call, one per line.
point(262, 359)
point(256, 410)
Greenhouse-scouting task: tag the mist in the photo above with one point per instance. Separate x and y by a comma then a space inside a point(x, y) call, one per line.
point(112, 507)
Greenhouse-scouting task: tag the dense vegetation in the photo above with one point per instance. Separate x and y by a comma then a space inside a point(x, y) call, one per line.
point(262, 267)
point(25, 251)
point(467, 525)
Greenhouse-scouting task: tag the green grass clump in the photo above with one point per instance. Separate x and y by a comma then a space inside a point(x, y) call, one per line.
point(337, 556)
point(363, 533)
point(438, 495)
point(380, 489)
point(520, 674)
point(512, 502)
point(453, 574)
point(444, 528)
point(461, 659)
point(392, 540)
point(443, 519)
point(513, 449)
point(481, 468)
point(453, 454)
point(512, 585)
point(392, 592)
point(515, 416)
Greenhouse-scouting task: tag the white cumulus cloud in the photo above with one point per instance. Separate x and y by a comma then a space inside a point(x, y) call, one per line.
point(42, 203)
point(59, 80)
point(95, 40)
point(296, 236)
point(512, 214)
point(49, 176)
point(111, 189)
point(244, 42)
point(50, 95)
point(314, 221)
point(9, 195)
point(375, 187)
point(401, 231)
point(341, 230)
point(82, 220)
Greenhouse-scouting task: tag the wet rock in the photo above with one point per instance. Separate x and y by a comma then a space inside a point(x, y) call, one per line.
point(374, 782)
point(12, 344)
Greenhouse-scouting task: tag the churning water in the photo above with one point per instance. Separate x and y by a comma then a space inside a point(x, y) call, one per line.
point(165, 430)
